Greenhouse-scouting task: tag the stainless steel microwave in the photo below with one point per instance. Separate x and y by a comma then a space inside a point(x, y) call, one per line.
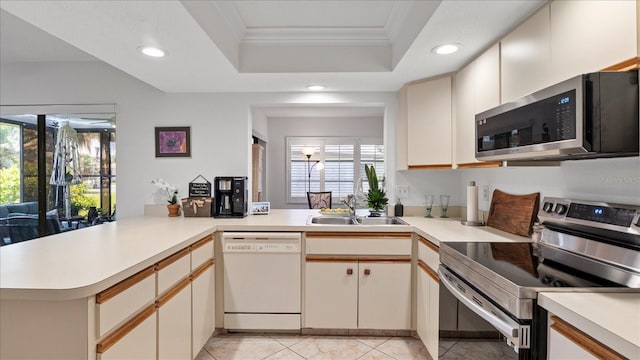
point(588, 116)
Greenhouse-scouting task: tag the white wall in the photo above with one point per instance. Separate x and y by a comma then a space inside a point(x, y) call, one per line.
point(280, 128)
point(614, 180)
point(221, 124)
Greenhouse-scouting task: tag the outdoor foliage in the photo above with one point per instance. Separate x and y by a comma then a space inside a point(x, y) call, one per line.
point(80, 201)
point(10, 184)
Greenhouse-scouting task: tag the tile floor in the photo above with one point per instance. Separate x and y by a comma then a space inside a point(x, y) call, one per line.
point(245, 346)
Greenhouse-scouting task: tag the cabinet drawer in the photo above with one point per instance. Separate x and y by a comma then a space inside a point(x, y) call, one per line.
point(428, 253)
point(135, 339)
point(173, 269)
point(120, 301)
point(201, 251)
point(360, 244)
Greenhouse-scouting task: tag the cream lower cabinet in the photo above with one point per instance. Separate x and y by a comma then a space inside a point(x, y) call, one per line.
point(384, 290)
point(428, 296)
point(177, 315)
point(203, 305)
point(358, 281)
point(136, 339)
point(569, 343)
point(427, 324)
point(174, 322)
point(358, 295)
point(331, 294)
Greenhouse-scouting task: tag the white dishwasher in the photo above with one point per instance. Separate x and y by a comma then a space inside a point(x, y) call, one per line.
point(261, 280)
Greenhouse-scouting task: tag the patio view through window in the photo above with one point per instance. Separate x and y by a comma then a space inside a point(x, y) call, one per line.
point(89, 198)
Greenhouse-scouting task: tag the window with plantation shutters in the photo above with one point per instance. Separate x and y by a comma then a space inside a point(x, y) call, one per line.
point(343, 160)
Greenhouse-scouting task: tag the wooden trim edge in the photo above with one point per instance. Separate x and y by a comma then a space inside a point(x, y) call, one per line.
point(385, 258)
point(431, 167)
point(330, 258)
point(429, 244)
point(172, 258)
point(583, 340)
point(394, 235)
point(123, 285)
point(483, 164)
point(202, 242)
point(164, 298)
point(629, 64)
point(432, 274)
point(200, 270)
point(359, 258)
point(126, 328)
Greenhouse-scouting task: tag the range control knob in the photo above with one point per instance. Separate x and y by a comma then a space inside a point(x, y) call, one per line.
point(560, 209)
point(547, 207)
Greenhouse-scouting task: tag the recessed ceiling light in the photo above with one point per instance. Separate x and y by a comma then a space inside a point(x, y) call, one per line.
point(446, 49)
point(152, 51)
point(316, 87)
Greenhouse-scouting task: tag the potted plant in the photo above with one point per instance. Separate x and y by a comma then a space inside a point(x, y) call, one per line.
point(376, 196)
point(173, 207)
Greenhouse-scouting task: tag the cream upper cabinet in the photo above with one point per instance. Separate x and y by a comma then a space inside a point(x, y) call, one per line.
point(588, 36)
point(429, 123)
point(526, 57)
point(476, 89)
point(486, 79)
point(464, 100)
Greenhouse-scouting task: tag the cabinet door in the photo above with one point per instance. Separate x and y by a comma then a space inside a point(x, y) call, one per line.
point(587, 36)
point(428, 308)
point(422, 308)
point(203, 310)
point(384, 295)
point(429, 124)
point(486, 74)
point(526, 57)
point(174, 322)
point(139, 343)
point(561, 347)
point(331, 295)
point(465, 116)
point(433, 328)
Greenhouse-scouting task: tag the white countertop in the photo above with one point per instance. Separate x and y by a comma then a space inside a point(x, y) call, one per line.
point(438, 229)
point(611, 318)
point(83, 262)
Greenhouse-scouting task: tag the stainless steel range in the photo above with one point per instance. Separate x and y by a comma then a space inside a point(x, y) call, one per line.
point(584, 246)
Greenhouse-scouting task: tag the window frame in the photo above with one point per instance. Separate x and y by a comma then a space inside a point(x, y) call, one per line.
point(322, 142)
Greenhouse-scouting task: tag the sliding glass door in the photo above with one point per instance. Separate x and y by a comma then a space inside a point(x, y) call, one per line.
point(78, 150)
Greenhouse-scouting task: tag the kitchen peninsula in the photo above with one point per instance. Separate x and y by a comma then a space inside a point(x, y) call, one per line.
point(48, 286)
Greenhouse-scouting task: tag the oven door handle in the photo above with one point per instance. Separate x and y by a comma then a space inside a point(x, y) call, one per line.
point(504, 327)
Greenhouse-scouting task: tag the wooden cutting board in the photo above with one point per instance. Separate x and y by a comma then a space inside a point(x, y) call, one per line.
point(514, 214)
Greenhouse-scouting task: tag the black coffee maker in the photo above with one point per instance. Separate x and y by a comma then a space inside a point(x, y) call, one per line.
point(230, 193)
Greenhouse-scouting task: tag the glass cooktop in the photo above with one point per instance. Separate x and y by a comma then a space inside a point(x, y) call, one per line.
point(521, 264)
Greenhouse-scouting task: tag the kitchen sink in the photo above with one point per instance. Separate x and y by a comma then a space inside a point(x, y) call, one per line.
point(345, 220)
point(383, 220)
point(331, 220)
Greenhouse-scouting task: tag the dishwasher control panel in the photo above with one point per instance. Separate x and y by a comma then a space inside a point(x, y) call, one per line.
point(261, 243)
point(267, 246)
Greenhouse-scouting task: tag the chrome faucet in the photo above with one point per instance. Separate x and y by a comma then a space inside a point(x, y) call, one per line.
point(351, 204)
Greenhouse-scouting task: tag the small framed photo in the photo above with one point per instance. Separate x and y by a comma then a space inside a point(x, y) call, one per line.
point(260, 208)
point(173, 141)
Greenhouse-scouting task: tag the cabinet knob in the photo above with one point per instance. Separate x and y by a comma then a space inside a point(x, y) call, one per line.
point(349, 271)
point(367, 272)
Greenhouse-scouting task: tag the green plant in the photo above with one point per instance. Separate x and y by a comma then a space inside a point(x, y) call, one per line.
point(80, 201)
point(376, 197)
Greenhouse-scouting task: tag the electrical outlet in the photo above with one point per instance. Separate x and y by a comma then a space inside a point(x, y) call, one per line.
point(485, 192)
point(402, 191)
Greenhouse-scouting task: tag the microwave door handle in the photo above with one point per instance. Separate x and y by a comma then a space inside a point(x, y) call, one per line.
point(502, 326)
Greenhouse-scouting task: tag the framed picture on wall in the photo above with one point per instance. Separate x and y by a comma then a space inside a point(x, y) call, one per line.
point(173, 141)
